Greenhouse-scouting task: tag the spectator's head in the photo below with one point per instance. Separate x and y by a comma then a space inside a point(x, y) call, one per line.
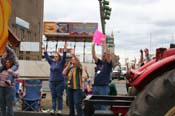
point(146, 51)
point(105, 56)
point(74, 60)
point(8, 64)
point(56, 57)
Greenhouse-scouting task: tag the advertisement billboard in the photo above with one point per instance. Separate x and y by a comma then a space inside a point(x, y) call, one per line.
point(50, 28)
point(70, 28)
point(63, 28)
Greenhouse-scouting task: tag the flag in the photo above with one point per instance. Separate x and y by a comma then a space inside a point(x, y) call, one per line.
point(98, 37)
point(5, 11)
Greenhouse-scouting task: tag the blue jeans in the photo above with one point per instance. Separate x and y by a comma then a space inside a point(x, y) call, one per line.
point(100, 90)
point(75, 99)
point(57, 89)
point(66, 90)
point(6, 99)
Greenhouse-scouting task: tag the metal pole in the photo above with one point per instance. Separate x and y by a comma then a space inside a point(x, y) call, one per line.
point(102, 16)
point(84, 53)
point(102, 20)
point(150, 42)
point(74, 46)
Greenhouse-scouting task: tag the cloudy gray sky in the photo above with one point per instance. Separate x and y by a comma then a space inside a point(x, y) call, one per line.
point(136, 24)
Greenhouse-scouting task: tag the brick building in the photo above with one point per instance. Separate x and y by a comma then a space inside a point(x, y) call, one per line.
point(27, 23)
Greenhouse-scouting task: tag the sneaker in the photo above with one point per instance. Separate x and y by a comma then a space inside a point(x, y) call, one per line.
point(52, 111)
point(59, 112)
point(45, 110)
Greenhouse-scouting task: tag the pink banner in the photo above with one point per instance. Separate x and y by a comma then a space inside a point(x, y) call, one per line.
point(98, 37)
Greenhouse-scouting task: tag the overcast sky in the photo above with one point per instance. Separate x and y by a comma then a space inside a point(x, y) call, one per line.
point(136, 24)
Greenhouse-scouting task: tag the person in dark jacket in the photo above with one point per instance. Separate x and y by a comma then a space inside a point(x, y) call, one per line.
point(56, 81)
point(103, 71)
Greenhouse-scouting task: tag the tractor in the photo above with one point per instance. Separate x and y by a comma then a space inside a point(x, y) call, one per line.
point(153, 89)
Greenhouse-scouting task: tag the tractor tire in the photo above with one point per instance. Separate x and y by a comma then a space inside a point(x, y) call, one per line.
point(157, 98)
point(132, 91)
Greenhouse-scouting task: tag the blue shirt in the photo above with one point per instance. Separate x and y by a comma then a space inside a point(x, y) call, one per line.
point(102, 73)
point(56, 68)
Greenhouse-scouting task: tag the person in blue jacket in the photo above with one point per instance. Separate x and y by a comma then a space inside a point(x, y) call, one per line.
point(56, 80)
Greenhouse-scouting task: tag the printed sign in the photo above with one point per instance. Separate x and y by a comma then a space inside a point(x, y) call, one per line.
point(70, 28)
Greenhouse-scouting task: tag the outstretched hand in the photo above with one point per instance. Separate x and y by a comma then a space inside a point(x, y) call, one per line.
point(44, 49)
point(65, 46)
point(69, 64)
point(103, 40)
point(141, 51)
point(10, 71)
point(72, 52)
point(85, 68)
point(93, 43)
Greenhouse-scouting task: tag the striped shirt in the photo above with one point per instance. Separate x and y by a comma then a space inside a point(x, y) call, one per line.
point(75, 78)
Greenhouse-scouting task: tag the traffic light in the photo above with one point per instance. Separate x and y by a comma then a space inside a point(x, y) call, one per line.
point(106, 10)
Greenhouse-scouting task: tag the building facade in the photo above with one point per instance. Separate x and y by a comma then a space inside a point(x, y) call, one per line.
point(27, 23)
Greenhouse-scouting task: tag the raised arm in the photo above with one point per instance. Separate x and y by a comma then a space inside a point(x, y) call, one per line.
point(11, 54)
point(107, 52)
point(48, 58)
point(65, 46)
point(93, 52)
point(64, 53)
point(141, 60)
point(65, 71)
point(85, 69)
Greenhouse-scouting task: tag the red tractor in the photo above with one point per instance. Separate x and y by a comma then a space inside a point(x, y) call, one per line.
point(155, 84)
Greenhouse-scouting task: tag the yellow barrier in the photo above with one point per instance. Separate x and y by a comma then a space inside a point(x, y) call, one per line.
point(5, 11)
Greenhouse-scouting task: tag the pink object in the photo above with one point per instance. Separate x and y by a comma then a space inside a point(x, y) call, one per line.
point(98, 37)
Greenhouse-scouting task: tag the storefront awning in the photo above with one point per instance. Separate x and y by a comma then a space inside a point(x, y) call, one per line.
point(13, 39)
